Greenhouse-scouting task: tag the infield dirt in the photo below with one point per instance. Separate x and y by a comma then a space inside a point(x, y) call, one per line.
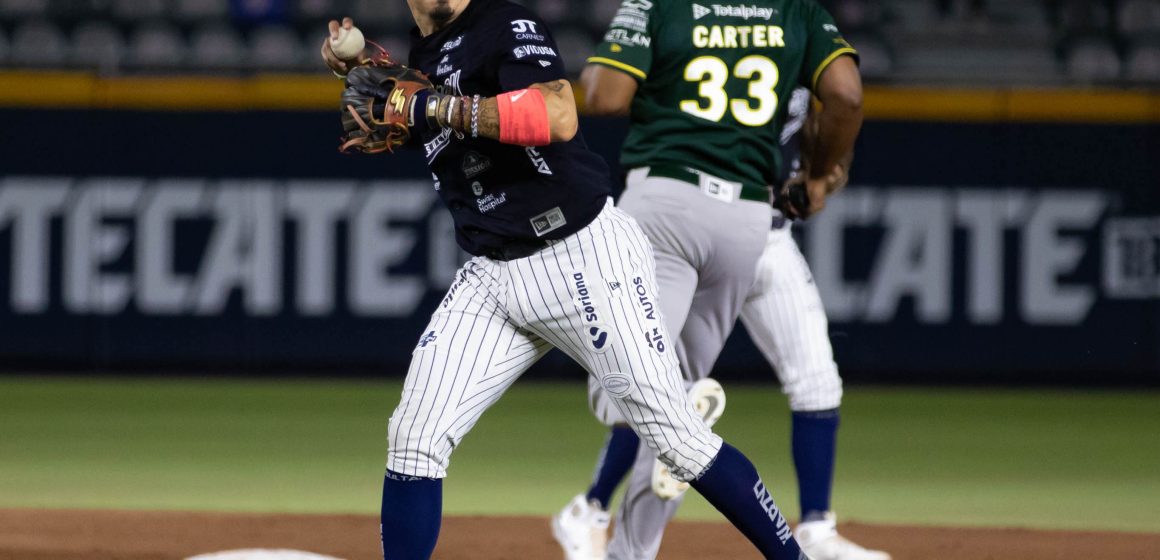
point(137, 535)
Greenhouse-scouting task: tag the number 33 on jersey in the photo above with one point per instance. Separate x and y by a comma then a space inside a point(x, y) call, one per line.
point(737, 61)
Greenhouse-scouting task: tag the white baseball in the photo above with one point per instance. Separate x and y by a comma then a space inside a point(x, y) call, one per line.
point(349, 44)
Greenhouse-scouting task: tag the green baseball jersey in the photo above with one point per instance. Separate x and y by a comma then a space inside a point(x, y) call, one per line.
point(715, 79)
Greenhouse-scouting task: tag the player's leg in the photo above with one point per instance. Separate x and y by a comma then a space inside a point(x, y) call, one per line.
point(787, 322)
point(610, 332)
point(726, 268)
point(580, 527)
point(466, 357)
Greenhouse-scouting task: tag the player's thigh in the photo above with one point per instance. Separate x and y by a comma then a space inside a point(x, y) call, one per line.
point(593, 296)
point(725, 282)
point(464, 360)
point(786, 320)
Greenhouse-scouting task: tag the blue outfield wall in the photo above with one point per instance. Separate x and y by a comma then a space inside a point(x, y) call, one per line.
point(981, 252)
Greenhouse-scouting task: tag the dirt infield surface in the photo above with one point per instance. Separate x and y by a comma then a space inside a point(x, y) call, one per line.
point(95, 535)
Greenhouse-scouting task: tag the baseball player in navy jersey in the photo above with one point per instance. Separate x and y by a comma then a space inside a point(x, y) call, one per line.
point(708, 92)
point(555, 265)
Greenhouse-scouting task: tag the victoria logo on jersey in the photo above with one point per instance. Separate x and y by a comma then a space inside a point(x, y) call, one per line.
point(474, 164)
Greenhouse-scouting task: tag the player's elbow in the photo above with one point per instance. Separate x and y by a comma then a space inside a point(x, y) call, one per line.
point(564, 125)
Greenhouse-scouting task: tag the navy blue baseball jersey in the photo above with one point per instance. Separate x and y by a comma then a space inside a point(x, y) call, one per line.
point(500, 194)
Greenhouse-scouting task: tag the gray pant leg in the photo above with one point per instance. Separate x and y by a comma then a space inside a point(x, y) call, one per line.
point(641, 519)
point(721, 243)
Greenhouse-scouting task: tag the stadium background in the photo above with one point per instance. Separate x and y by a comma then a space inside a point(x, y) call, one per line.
point(204, 306)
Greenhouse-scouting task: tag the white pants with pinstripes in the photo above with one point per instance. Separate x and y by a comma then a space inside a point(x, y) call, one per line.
point(580, 295)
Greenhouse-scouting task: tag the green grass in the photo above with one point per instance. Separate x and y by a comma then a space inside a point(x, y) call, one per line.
point(1030, 458)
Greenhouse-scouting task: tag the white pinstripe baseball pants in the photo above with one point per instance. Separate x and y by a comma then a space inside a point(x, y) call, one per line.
point(579, 294)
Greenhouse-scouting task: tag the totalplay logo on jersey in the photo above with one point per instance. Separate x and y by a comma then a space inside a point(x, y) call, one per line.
point(742, 12)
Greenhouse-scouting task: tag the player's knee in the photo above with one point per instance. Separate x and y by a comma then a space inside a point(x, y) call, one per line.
point(410, 454)
point(819, 389)
point(688, 459)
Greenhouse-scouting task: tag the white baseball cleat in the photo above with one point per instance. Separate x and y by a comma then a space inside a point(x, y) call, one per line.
point(708, 399)
point(820, 541)
point(581, 528)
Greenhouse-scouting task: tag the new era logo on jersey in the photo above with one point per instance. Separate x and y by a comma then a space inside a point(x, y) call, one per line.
point(545, 63)
point(548, 221)
point(700, 11)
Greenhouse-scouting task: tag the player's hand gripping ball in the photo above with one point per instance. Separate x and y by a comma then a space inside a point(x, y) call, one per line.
point(345, 48)
point(376, 105)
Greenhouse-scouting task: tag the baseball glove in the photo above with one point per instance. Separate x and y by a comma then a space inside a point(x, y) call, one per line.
point(376, 106)
point(793, 200)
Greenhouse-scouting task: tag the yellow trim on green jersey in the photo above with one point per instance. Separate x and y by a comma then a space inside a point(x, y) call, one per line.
point(618, 65)
point(833, 56)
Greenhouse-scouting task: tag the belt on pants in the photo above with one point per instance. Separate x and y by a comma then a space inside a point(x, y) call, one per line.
point(756, 193)
point(516, 249)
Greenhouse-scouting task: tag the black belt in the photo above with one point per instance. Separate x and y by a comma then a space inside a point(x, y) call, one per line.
point(516, 249)
point(686, 175)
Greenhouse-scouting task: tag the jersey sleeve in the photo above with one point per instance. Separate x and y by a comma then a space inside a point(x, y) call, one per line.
point(528, 53)
point(824, 44)
point(627, 45)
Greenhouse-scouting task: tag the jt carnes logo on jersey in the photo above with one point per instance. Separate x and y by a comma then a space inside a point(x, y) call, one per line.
point(525, 30)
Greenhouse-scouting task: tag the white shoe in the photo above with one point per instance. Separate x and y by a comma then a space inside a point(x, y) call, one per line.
point(820, 541)
point(709, 401)
point(581, 528)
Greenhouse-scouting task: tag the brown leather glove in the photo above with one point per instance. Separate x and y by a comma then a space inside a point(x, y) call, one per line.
point(377, 105)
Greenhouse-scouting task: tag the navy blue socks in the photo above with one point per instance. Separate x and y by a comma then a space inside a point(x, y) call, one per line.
point(732, 485)
point(815, 436)
point(411, 515)
point(614, 463)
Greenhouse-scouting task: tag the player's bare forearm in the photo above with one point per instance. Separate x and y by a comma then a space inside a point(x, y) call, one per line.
point(840, 119)
point(607, 92)
point(558, 101)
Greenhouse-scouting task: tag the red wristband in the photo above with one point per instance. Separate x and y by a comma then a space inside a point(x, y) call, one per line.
point(523, 118)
